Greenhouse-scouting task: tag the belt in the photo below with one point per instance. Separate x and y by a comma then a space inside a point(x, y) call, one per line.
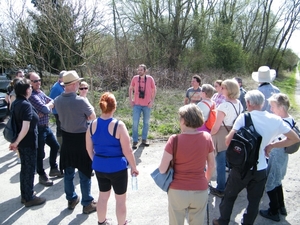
point(43, 125)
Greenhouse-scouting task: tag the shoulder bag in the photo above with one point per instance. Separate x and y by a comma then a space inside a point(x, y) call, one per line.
point(163, 180)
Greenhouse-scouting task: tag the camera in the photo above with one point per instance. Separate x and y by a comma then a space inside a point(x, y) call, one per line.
point(141, 94)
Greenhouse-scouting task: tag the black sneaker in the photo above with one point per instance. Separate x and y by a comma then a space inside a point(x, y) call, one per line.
point(56, 173)
point(145, 143)
point(72, 204)
point(44, 180)
point(283, 211)
point(267, 214)
point(134, 145)
point(216, 192)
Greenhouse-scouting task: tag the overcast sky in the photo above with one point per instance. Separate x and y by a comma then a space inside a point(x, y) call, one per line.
point(293, 43)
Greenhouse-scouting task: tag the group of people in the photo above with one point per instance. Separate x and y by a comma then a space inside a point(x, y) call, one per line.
point(200, 148)
point(84, 142)
point(103, 144)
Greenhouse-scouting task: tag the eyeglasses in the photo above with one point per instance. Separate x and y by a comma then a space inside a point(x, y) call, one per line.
point(223, 88)
point(35, 81)
point(85, 88)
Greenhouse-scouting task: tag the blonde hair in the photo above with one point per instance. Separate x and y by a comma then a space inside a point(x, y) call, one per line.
point(232, 88)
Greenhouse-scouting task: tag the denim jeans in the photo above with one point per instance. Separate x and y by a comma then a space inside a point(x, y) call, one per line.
point(46, 136)
point(85, 186)
point(137, 110)
point(221, 170)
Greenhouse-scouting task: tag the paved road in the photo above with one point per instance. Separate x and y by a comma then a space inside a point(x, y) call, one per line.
point(146, 206)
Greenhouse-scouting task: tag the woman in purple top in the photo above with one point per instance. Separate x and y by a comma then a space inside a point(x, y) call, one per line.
point(108, 145)
point(218, 97)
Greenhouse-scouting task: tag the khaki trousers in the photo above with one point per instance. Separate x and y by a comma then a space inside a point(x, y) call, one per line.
point(192, 203)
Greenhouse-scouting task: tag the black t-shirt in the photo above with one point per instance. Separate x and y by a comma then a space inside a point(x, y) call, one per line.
point(23, 111)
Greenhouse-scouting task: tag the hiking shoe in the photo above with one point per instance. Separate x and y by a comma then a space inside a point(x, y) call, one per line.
point(269, 215)
point(23, 199)
point(216, 192)
point(283, 211)
point(72, 204)
point(56, 173)
point(35, 201)
point(44, 180)
point(134, 145)
point(90, 208)
point(145, 143)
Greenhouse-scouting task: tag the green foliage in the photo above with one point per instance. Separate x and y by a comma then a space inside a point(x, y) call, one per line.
point(287, 84)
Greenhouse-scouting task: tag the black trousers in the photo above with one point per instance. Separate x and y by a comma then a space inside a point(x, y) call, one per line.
point(276, 199)
point(28, 162)
point(254, 184)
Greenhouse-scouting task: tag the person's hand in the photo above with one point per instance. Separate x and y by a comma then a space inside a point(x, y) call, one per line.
point(268, 149)
point(150, 104)
point(131, 103)
point(134, 172)
point(13, 146)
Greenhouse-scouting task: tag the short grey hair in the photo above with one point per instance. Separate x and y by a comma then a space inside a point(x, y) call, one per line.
point(255, 98)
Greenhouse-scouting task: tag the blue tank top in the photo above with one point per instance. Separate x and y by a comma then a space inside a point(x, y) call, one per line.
point(108, 157)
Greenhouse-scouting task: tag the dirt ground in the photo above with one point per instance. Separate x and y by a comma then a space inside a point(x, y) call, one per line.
point(148, 205)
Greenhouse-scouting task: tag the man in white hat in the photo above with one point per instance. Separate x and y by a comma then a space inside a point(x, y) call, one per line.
point(265, 76)
point(74, 112)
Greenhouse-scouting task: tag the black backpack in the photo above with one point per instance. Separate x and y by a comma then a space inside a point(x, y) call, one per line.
point(243, 150)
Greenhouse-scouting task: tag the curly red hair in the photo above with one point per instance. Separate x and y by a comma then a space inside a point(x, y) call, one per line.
point(107, 102)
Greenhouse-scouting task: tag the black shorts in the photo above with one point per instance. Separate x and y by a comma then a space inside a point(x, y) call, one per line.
point(117, 180)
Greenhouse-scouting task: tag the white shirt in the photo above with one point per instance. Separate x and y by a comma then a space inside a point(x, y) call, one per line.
point(229, 111)
point(269, 126)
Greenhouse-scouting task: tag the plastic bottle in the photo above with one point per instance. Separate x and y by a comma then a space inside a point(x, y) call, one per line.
point(134, 182)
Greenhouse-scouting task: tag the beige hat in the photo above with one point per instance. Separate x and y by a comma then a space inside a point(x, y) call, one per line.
point(264, 74)
point(70, 77)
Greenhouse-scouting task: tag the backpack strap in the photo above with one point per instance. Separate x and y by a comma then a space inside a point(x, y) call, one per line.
point(210, 107)
point(91, 124)
point(115, 128)
point(249, 124)
point(291, 125)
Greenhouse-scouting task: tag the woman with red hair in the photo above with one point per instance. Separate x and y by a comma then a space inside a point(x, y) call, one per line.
point(108, 145)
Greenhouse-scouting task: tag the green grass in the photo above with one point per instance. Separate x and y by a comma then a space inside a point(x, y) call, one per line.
point(164, 116)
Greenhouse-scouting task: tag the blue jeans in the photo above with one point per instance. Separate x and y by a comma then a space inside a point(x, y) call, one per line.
point(85, 186)
point(137, 110)
point(46, 136)
point(221, 170)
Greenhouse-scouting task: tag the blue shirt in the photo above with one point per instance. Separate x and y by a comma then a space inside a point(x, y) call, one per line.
point(56, 90)
point(108, 157)
point(268, 90)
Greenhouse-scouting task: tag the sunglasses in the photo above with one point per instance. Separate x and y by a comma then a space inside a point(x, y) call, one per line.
point(35, 81)
point(85, 88)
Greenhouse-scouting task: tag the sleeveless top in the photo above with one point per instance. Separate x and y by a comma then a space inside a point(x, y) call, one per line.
point(108, 156)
